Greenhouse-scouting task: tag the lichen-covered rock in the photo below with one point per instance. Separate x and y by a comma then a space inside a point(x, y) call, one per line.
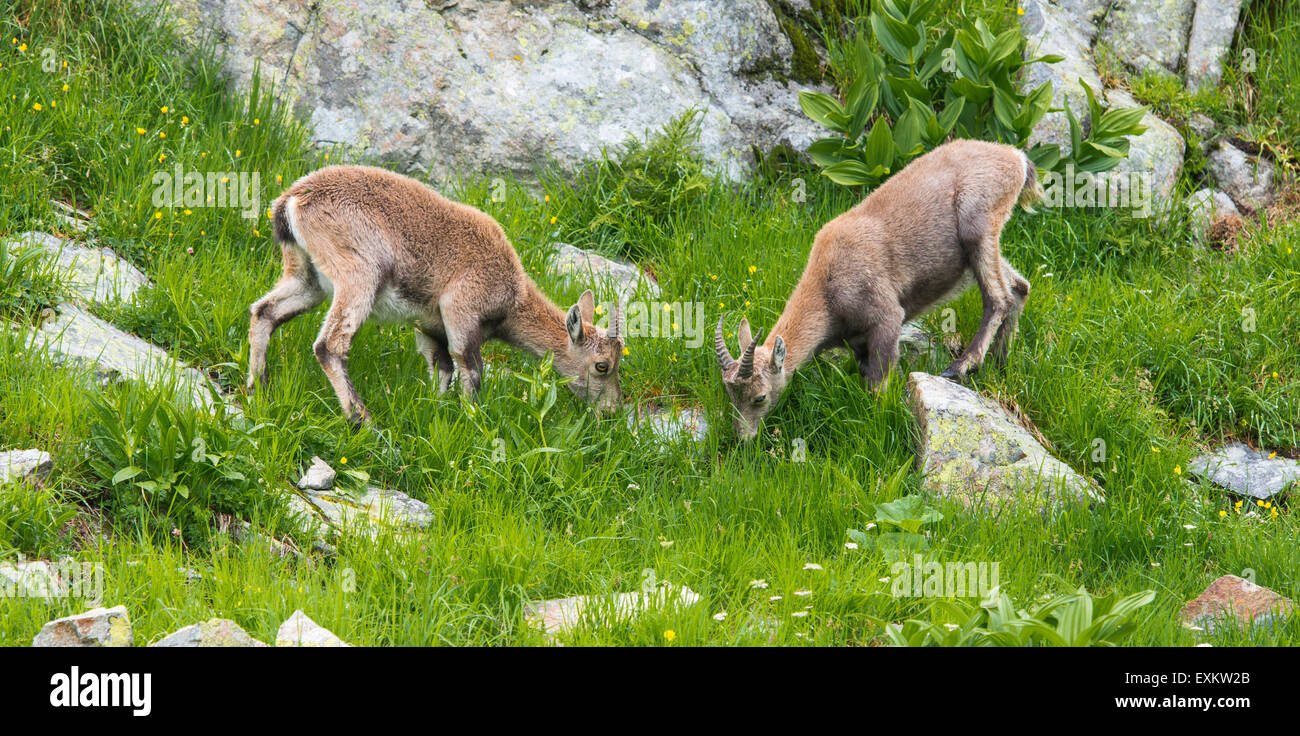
point(1157, 153)
point(78, 335)
point(24, 465)
point(1205, 206)
point(319, 477)
point(483, 85)
point(70, 217)
point(1235, 599)
point(604, 274)
point(1211, 36)
point(1149, 34)
point(98, 627)
point(1247, 179)
point(90, 274)
point(972, 450)
point(1245, 471)
point(915, 344)
point(1052, 29)
point(300, 631)
point(564, 614)
point(216, 632)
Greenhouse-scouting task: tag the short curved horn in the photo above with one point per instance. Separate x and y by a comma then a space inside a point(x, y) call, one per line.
point(725, 361)
point(747, 359)
point(615, 314)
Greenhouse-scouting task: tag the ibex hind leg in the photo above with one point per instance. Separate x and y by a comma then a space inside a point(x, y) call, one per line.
point(1006, 331)
point(297, 292)
point(980, 241)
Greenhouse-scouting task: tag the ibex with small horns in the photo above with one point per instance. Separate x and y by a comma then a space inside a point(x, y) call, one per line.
point(917, 241)
point(387, 247)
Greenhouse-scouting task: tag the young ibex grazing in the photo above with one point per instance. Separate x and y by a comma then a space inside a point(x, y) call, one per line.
point(386, 246)
point(915, 242)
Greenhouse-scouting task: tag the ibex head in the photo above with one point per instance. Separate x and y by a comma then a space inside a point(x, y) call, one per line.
point(592, 356)
point(754, 381)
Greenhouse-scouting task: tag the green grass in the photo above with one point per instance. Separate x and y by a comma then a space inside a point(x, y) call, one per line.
point(1132, 335)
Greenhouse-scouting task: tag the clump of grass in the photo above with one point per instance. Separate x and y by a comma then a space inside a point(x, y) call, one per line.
point(27, 284)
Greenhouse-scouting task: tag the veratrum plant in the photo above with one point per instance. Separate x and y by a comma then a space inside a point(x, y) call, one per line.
point(923, 90)
point(1072, 620)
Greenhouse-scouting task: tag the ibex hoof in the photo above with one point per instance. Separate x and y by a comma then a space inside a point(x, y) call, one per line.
point(952, 375)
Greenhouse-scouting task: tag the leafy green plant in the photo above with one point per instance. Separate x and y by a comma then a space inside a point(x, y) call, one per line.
point(924, 89)
point(167, 468)
point(1075, 619)
point(904, 518)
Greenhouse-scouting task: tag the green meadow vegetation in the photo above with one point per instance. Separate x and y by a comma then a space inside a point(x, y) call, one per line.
point(1133, 335)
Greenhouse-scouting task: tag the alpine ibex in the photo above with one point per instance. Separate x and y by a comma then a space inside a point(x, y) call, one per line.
point(387, 247)
point(917, 241)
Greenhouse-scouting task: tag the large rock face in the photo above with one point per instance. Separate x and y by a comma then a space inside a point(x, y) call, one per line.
point(504, 86)
point(1211, 37)
point(1149, 34)
point(1052, 29)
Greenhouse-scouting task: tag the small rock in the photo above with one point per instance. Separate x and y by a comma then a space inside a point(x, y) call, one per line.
point(1239, 599)
point(1207, 205)
point(379, 507)
point(319, 477)
point(99, 627)
point(1203, 125)
point(1247, 179)
point(300, 631)
point(669, 426)
point(94, 275)
point(916, 345)
point(974, 451)
point(1245, 471)
point(216, 632)
point(564, 614)
point(624, 278)
point(25, 465)
point(1212, 27)
point(71, 217)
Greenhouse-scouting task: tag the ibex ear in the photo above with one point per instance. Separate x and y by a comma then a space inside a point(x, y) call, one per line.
point(573, 323)
point(778, 355)
point(745, 337)
point(587, 302)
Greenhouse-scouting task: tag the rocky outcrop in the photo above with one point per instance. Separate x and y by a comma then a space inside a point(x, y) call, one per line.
point(605, 275)
point(99, 627)
point(323, 511)
point(974, 451)
point(1237, 601)
point(564, 614)
point(478, 85)
point(1054, 29)
point(24, 465)
point(79, 336)
point(92, 275)
point(1245, 471)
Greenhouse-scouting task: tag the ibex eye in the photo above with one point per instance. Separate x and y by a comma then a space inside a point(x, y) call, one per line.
point(760, 400)
point(602, 367)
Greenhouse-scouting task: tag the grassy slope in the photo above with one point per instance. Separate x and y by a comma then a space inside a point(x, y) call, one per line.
point(1131, 335)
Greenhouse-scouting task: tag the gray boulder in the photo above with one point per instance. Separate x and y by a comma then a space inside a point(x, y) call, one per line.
point(1052, 29)
point(319, 477)
point(1207, 205)
point(1243, 470)
point(603, 274)
point(99, 627)
point(973, 451)
point(490, 86)
point(1211, 36)
point(1157, 153)
point(90, 274)
point(300, 631)
point(1149, 34)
